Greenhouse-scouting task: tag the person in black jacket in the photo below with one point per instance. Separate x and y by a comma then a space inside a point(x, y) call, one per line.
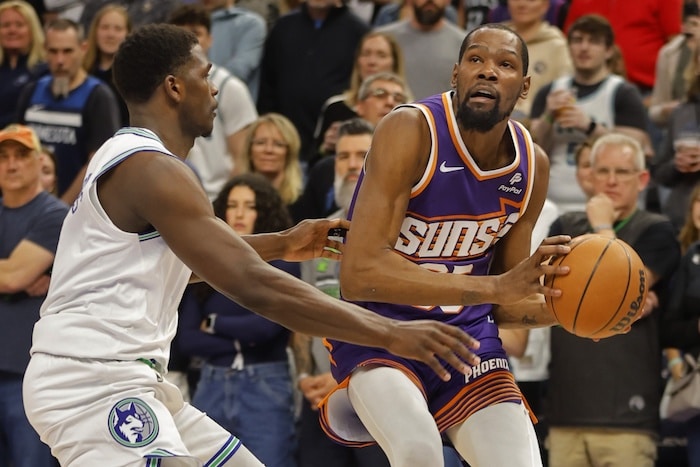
point(308, 57)
point(603, 398)
point(680, 327)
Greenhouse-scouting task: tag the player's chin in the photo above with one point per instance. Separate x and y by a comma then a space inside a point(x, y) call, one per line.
point(206, 132)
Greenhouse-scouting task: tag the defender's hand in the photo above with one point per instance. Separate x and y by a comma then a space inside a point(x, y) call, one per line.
point(309, 239)
point(428, 341)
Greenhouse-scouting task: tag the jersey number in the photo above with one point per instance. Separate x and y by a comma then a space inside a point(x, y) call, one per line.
point(463, 269)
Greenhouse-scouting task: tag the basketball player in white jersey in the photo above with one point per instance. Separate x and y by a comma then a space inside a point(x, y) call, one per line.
point(141, 226)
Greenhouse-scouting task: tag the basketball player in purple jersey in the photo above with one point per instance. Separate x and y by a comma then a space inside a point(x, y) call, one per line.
point(440, 229)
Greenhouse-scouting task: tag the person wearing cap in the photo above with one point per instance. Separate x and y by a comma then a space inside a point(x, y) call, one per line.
point(30, 223)
point(72, 112)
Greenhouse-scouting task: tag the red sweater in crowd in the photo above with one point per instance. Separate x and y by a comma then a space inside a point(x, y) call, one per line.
point(641, 28)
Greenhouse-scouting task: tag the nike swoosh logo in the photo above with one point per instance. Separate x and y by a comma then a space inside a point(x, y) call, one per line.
point(445, 169)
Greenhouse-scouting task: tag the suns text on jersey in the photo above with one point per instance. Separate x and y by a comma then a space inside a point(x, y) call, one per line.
point(451, 238)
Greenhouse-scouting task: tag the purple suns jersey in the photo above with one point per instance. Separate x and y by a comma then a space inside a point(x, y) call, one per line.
point(455, 216)
point(458, 212)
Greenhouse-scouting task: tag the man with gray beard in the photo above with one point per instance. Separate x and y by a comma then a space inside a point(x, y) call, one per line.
point(314, 378)
point(72, 112)
point(430, 39)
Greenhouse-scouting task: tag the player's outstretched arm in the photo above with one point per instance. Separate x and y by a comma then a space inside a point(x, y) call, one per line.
point(372, 270)
point(149, 188)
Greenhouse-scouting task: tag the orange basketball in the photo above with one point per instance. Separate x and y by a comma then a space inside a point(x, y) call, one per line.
point(604, 291)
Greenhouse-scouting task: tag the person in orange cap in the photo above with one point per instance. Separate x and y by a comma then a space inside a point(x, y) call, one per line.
point(30, 222)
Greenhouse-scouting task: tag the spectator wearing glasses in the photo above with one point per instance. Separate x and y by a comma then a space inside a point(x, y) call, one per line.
point(307, 58)
point(377, 96)
point(271, 148)
point(615, 382)
point(376, 53)
point(589, 103)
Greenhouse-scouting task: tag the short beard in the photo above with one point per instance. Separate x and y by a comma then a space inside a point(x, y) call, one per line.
point(343, 190)
point(478, 120)
point(60, 87)
point(428, 18)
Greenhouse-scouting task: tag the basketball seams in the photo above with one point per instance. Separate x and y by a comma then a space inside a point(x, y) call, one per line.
point(553, 279)
point(623, 298)
point(588, 283)
point(596, 293)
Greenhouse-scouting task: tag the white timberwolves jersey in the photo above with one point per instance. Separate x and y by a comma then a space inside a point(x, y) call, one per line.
point(113, 294)
point(564, 190)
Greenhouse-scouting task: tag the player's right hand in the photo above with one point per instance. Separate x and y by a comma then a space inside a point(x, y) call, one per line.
point(523, 280)
point(433, 343)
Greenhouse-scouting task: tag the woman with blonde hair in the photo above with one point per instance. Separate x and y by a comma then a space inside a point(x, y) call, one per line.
point(272, 149)
point(377, 52)
point(108, 29)
point(21, 54)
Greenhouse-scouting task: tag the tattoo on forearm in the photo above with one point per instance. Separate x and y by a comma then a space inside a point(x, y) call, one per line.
point(470, 297)
point(529, 320)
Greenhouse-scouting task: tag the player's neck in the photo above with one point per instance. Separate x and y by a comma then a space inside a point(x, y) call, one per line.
point(168, 132)
point(487, 148)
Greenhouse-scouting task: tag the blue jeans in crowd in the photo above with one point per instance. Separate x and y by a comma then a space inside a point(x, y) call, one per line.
point(254, 404)
point(20, 444)
point(693, 434)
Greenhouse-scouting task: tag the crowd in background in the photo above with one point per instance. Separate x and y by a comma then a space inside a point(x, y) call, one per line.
point(301, 85)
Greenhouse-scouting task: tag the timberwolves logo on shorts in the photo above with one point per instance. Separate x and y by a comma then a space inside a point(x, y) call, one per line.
point(132, 423)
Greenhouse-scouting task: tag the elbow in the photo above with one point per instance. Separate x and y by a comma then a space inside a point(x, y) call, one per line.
point(356, 283)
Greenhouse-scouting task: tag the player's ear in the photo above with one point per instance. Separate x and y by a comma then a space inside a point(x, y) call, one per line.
point(525, 88)
point(453, 79)
point(173, 88)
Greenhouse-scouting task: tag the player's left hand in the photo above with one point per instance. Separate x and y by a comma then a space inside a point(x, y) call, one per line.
point(310, 239)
